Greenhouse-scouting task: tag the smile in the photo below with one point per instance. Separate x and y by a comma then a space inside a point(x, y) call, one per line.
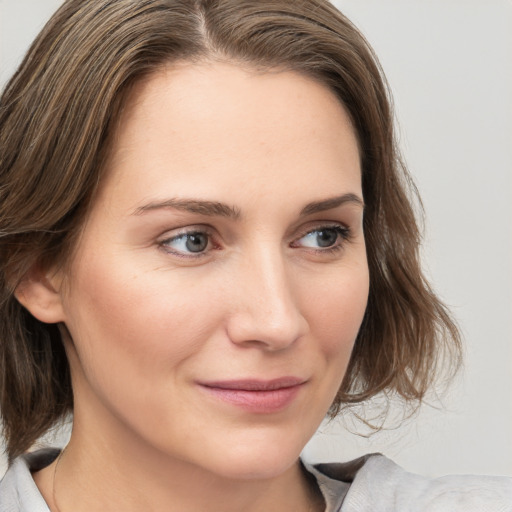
point(256, 396)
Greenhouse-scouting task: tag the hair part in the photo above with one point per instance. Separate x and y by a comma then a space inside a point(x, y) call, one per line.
point(58, 115)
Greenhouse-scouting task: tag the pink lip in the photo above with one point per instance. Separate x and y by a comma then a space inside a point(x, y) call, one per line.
point(254, 395)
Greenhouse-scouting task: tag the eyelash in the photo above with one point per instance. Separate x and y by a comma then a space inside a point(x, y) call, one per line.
point(164, 244)
point(343, 234)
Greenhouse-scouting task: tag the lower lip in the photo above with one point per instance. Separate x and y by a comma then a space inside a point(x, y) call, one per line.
point(262, 401)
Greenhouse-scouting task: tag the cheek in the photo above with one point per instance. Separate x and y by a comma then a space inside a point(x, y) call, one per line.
point(337, 308)
point(139, 323)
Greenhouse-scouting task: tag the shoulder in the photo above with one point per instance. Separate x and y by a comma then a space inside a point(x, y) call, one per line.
point(18, 491)
point(376, 484)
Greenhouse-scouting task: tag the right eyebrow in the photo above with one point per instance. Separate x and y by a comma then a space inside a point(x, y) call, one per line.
point(208, 208)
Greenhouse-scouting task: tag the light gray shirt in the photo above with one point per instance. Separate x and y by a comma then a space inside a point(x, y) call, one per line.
point(370, 484)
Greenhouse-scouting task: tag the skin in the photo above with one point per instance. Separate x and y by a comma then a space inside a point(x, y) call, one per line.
point(146, 322)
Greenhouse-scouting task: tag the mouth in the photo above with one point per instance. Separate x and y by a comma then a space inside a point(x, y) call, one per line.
point(255, 395)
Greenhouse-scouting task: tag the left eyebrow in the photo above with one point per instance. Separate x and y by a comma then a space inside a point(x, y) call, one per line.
point(329, 204)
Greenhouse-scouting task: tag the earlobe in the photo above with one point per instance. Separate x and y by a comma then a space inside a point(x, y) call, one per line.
point(40, 293)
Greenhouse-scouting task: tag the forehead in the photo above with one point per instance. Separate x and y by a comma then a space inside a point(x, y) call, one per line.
point(218, 125)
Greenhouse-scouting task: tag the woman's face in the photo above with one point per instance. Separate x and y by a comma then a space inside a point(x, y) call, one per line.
point(215, 295)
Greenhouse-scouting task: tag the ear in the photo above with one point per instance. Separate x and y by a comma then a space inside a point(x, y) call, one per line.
point(40, 293)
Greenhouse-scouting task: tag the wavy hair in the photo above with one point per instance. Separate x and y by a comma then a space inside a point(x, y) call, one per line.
point(57, 117)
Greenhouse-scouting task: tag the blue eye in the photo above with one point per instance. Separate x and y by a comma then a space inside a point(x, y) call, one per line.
point(329, 237)
point(194, 242)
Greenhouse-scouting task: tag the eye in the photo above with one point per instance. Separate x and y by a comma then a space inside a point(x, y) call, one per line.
point(323, 238)
point(188, 243)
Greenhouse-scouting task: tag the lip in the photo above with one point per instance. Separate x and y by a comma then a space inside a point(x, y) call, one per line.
point(255, 395)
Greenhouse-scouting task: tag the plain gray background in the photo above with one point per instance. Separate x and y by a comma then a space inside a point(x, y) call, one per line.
point(449, 64)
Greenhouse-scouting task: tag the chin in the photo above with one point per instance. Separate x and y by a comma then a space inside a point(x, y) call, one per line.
point(255, 459)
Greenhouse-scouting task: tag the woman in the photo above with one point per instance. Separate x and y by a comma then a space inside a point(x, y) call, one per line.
point(207, 245)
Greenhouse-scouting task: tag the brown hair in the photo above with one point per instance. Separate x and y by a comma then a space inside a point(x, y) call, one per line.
point(57, 115)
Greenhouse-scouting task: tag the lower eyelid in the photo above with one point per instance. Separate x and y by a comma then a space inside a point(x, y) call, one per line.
point(164, 244)
point(343, 232)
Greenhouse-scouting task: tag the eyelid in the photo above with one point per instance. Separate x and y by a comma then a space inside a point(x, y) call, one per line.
point(319, 225)
point(172, 235)
point(341, 229)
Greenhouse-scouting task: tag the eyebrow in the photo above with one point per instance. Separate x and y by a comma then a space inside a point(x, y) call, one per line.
point(329, 204)
point(201, 207)
point(215, 208)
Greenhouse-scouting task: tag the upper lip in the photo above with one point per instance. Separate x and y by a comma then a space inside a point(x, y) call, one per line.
point(255, 384)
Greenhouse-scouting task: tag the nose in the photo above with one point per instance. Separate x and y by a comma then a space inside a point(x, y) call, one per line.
point(266, 309)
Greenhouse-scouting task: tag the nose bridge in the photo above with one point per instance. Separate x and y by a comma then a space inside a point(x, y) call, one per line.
point(267, 311)
point(272, 284)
